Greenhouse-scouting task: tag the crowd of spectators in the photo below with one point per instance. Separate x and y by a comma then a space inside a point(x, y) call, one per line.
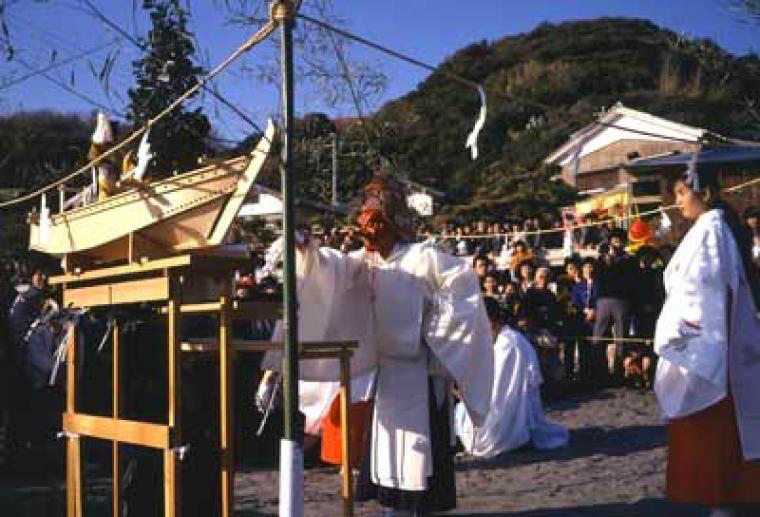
point(590, 319)
point(562, 310)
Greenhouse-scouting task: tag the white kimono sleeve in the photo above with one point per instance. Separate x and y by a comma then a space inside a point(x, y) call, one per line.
point(691, 335)
point(458, 332)
point(333, 305)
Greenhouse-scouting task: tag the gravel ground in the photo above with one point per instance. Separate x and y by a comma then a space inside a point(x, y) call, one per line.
point(613, 466)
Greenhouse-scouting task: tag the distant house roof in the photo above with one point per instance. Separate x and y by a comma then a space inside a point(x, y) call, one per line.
point(723, 156)
point(619, 123)
point(341, 123)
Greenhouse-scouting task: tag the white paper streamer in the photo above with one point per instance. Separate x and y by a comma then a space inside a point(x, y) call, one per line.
point(692, 176)
point(144, 156)
point(44, 235)
point(472, 138)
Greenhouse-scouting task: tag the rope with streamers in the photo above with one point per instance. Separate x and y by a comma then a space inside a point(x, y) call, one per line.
point(254, 40)
point(602, 222)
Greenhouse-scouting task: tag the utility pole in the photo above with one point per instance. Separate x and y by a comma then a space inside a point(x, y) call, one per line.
point(335, 151)
point(291, 446)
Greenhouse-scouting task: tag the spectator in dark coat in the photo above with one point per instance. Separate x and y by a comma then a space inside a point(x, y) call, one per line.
point(541, 304)
point(616, 278)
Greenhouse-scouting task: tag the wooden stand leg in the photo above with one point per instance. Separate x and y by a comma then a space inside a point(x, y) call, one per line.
point(172, 482)
point(226, 423)
point(116, 410)
point(74, 479)
point(73, 449)
point(345, 401)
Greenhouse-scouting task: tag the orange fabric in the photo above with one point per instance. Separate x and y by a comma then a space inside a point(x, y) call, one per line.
point(705, 463)
point(359, 414)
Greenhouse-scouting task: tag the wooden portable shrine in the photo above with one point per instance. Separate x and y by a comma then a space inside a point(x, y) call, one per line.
point(182, 285)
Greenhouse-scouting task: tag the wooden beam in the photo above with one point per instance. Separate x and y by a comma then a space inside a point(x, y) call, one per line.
point(87, 296)
point(129, 269)
point(345, 427)
point(131, 291)
point(73, 450)
point(116, 407)
point(191, 308)
point(172, 480)
point(156, 436)
point(313, 349)
point(74, 481)
point(197, 261)
point(145, 290)
point(226, 412)
point(321, 354)
point(257, 310)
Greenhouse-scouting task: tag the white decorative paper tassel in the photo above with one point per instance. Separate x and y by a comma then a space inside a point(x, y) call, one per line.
point(472, 138)
point(44, 236)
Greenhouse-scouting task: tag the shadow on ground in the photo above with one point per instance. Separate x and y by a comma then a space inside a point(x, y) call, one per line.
point(644, 508)
point(584, 442)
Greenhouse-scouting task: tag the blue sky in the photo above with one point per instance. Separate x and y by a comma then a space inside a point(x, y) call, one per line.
point(429, 30)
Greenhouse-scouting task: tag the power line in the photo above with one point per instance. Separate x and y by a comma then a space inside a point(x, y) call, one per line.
point(209, 88)
point(52, 66)
point(387, 50)
point(414, 61)
point(72, 90)
point(57, 41)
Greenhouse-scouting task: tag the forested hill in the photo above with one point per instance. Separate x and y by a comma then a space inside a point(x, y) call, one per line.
point(547, 83)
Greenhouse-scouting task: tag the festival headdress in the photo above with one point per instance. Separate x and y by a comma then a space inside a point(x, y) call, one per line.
point(386, 196)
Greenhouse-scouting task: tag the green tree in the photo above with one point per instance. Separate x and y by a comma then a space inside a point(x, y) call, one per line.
point(165, 72)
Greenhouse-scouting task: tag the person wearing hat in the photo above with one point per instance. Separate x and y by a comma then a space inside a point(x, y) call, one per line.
point(708, 340)
point(419, 318)
point(615, 273)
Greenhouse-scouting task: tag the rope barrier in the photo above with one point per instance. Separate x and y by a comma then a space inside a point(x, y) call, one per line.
point(257, 38)
point(729, 190)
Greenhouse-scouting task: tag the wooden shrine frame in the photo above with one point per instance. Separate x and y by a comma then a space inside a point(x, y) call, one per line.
point(187, 284)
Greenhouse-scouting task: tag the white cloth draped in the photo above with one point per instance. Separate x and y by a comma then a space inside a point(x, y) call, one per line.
point(708, 327)
point(516, 415)
point(416, 308)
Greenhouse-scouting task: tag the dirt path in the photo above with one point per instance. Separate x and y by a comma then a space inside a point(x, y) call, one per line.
point(614, 466)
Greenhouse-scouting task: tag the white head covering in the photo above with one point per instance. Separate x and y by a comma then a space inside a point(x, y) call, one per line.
point(103, 133)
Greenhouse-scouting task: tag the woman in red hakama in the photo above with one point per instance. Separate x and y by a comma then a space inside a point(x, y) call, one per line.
point(708, 339)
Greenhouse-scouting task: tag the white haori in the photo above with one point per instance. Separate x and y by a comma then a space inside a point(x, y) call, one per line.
point(418, 302)
point(516, 416)
point(708, 327)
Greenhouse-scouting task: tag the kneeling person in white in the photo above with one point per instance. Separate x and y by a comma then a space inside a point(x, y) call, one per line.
point(516, 415)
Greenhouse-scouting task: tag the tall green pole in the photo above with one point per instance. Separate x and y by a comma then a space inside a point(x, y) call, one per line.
point(291, 448)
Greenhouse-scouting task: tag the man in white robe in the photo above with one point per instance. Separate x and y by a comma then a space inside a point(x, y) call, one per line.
point(418, 315)
point(516, 415)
